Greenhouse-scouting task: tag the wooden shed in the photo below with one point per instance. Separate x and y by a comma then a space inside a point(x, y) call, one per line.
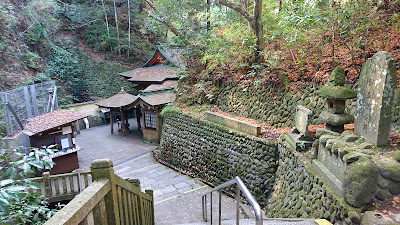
point(56, 128)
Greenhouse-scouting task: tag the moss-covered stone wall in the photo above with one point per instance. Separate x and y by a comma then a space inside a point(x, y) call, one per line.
point(216, 154)
point(298, 192)
point(282, 180)
point(277, 106)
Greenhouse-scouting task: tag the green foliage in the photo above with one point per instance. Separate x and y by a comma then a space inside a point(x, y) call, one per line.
point(230, 47)
point(43, 15)
point(32, 60)
point(17, 205)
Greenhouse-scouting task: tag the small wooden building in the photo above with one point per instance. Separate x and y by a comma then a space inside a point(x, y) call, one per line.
point(155, 80)
point(56, 128)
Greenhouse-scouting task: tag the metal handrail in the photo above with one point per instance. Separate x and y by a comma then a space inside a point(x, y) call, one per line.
point(240, 186)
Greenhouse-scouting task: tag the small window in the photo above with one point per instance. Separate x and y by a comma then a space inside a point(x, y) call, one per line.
point(150, 120)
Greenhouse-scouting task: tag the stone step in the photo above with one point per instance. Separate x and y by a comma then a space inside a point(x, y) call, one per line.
point(266, 222)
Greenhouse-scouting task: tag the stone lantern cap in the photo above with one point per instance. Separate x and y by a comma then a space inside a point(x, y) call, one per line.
point(337, 92)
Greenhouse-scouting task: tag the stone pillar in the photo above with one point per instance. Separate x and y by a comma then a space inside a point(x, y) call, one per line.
point(103, 169)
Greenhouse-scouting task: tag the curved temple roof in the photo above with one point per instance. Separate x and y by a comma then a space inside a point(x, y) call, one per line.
point(119, 100)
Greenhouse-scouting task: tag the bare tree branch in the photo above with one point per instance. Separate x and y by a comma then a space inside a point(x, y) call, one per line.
point(161, 20)
point(151, 4)
point(238, 8)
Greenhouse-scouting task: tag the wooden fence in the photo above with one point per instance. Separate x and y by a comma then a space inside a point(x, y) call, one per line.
point(56, 188)
point(108, 200)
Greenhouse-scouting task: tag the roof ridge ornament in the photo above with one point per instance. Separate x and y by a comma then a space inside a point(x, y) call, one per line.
point(122, 91)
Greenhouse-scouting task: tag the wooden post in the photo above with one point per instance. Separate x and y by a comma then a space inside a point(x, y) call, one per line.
point(27, 102)
point(103, 169)
point(7, 116)
point(123, 123)
point(138, 118)
point(111, 122)
point(150, 192)
point(47, 184)
point(34, 101)
point(135, 182)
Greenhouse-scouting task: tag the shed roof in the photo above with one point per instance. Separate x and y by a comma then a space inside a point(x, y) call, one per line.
point(158, 97)
point(51, 120)
point(166, 85)
point(119, 100)
point(155, 74)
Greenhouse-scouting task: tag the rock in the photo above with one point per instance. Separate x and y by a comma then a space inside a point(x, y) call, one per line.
point(383, 183)
point(321, 132)
point(336, 119)
point(374, 218)
point(352, 157)
point(389, 169)
point(337, 77)
point(360, 182)
point(394, 188)
point(366, 145)
point(350, 138)
point(383, 194)
point(395, 155)
point(354, 217)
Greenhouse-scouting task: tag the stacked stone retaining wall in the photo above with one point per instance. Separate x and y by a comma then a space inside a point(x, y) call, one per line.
point(277, 106)
point(216, 154)
point(281, 180)
point(299, 193)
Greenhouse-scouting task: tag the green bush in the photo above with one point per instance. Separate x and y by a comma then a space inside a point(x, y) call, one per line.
point(17, 205)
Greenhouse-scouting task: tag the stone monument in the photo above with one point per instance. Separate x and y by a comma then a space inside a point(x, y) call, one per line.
point(336, 94)
point(303, 118)
point(375, 97)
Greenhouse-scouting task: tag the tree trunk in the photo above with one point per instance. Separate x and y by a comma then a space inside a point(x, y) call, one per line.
point(129, 29)
point(208, 15)
point(105, 15)
point(255, 21)
point(258, 29)
point(116, 25)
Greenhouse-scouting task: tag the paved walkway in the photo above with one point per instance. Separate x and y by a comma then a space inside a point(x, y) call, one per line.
point(177, 197)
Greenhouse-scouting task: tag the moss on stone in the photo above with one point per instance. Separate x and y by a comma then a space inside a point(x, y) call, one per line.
point(390, 169)
point(337, 92)
point(395, 155)
point(360, 182)
point(337, 77)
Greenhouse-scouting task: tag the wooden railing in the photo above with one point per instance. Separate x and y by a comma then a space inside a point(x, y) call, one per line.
point(108, 200)
point(62, 187)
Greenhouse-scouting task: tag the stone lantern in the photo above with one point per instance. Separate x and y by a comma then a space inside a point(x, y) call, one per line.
point(336, 95)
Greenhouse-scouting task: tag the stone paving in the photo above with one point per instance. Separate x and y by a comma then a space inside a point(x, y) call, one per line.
point(177, 197)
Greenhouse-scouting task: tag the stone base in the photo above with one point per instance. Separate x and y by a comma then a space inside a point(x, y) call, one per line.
point(338, 129)
point(334, 183)
point(296, 141)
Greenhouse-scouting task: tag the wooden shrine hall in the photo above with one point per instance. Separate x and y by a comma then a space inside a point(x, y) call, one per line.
point(147, 105)
point(155, 80)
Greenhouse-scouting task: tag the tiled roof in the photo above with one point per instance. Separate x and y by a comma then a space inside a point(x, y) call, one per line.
point(51, 120)
point(156, 73)
point(171, 54)
point(119, 100)
point(166, 85)
point(158, 97)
